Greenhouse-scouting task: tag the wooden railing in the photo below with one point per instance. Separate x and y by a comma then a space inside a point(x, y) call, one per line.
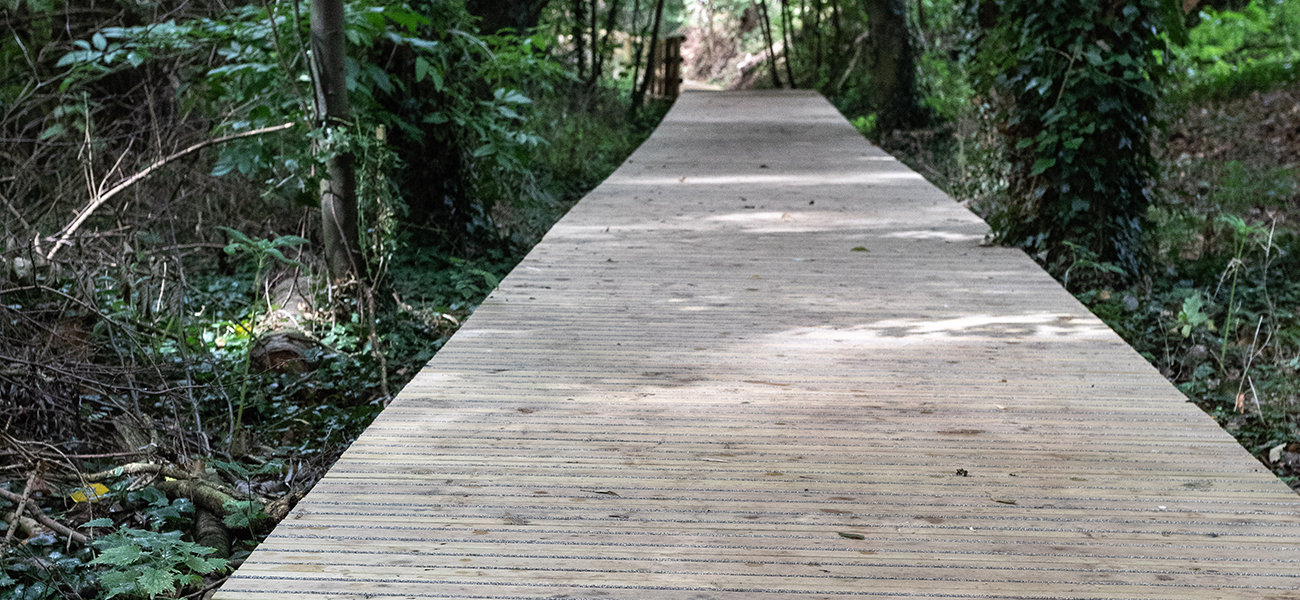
point(666, 79)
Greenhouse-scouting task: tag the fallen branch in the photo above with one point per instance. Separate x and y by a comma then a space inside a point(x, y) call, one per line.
point(43, 519)
point(103, 197)
point(170, 473)
point(18, 513)
point(138, 469)
point(205, 496)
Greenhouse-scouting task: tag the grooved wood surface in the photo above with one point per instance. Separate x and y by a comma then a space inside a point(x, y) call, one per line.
point(752, 364)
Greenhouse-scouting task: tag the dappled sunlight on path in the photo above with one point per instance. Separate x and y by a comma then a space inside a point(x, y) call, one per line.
point(765, 360)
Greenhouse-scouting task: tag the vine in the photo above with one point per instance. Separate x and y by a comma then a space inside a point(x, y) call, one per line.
point(1073, 86)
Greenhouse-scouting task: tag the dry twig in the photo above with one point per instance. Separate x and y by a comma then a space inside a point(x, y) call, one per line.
point(99, 199)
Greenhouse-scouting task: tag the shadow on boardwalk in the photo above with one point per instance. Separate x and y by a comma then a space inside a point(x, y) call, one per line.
point(765, 360)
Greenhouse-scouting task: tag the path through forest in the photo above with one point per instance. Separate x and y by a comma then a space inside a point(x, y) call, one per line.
point(762, 360)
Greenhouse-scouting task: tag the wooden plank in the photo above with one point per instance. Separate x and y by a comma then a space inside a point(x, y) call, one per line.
point(697, 388)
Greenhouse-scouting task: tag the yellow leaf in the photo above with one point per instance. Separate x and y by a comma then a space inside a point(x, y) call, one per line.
point(92, 493)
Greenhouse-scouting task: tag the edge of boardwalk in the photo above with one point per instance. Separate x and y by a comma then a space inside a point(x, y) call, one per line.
point(766, 360)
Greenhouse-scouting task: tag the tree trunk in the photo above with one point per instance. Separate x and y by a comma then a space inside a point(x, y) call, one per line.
point(579, 44)
point(650, 58)
point(594, 18)
point(818, 7)
point(787, 38)
point(893, 72)
point(603, 50)
point(338, 198)
point(767, 35)
point(637, 46)
point(838, 43)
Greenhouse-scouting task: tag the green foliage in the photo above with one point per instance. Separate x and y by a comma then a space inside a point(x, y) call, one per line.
point(1086, 260)
point(866, 125)
point(1191, 318)
point(1074, 86)
point(148, 564)
point(42, 568)
point(1231, 54)
point(263, 251)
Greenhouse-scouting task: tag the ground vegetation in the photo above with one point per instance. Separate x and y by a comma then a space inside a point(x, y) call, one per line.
point(176, 366)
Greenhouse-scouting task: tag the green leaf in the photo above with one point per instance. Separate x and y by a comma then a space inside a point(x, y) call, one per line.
point(100, 522)
point(155, 581)
point(281, 258)
point(52, 131)
point(514, 97)
point(98, 41)
point(1042, 165)
point(205, 565)
point(422, 69)
point(289, 240)
point(120, 555)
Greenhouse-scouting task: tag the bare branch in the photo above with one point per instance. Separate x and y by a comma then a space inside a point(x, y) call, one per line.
point(100, 199)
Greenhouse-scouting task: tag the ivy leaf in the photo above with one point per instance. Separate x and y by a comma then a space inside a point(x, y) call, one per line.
point(1042, 165)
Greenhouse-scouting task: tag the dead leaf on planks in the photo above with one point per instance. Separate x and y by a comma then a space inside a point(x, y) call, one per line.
point(852, 536)
point(605, 492)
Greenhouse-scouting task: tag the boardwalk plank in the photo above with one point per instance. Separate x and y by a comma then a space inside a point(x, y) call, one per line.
point(750, 365)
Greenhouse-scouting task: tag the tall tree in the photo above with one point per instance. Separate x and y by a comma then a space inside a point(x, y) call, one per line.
point(579, 43)
point(767, 36)
point(603, 49)
point(338, 197)
point(787, 40)
point(650, 58)
point(638, 35)
point(1075, 84)
point(893, 66)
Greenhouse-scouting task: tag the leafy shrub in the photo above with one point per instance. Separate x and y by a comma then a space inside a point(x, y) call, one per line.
point(148, 563)
point(1231, 54)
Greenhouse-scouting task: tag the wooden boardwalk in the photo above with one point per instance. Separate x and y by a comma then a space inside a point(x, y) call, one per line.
point(765, 360)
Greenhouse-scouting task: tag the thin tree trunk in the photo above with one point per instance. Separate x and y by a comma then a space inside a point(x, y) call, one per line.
point(611, 21)
point(595, 41)
point(787, 37)
point(767, 35)
point(650, 58)
point(579, 43)
point(817, 47)
point(338, 199)
point(838, 43)
point(637, 46)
